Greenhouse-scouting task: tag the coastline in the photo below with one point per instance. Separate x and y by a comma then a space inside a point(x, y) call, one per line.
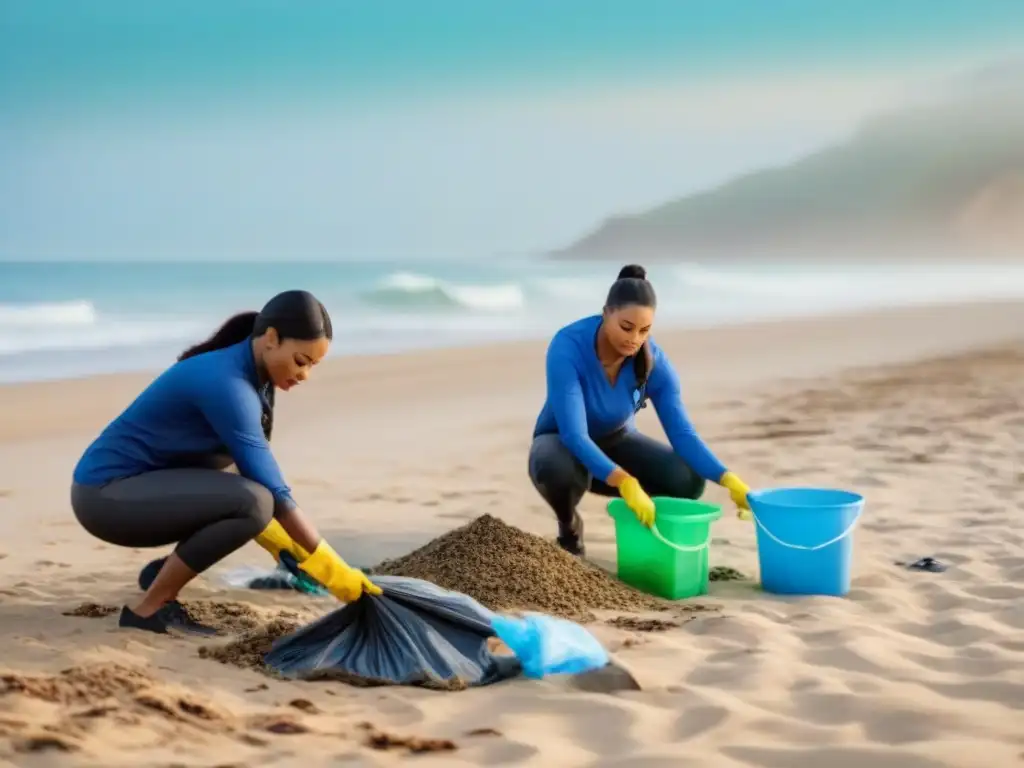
point(863, 337)
point(106, 318)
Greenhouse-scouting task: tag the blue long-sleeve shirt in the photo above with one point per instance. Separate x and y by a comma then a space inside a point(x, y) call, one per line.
point(210, 403)
point(583, 406)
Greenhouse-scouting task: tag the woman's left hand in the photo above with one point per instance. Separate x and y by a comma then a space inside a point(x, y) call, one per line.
point(738, 491)
point(275, 540)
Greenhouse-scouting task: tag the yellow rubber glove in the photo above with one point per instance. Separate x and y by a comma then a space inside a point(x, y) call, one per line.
point(342, 580)
point(637, 500)
point(275, 540)
point(738, 491)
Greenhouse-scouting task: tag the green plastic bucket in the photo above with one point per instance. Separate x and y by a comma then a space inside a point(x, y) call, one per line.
point(670, 559)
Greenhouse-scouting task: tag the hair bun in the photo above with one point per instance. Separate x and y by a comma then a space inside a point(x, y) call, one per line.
point(633, 271)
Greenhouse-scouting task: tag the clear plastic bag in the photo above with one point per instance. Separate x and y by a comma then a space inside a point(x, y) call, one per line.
point(546, 645)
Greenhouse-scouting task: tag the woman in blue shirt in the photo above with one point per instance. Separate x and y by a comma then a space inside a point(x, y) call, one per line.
point(600, 371)
point(155, 475)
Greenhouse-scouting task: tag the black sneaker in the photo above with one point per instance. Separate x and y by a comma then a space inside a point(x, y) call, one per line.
point(149, 572)
point(176, 617)
point(572, 545)
point(572, 540)
point(171, 618)
point(131, 620)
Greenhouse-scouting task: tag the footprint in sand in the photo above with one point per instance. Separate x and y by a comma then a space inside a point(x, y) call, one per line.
point(842, 658)
point(6, 493)
point(1002, 692)
point(484, 492)
point(456, 516)
point(1011, 615)
point(961, 665)
point(1014, 574)
point(835, 757)
point(827, 709)
point(951, 634)
point(369, 497)
point(697, 721)
point(996, 591)
point(869, 481)
point(1014, 646)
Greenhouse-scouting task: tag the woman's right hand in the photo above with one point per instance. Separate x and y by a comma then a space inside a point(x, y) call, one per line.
point(637, 500)
point(343, 581)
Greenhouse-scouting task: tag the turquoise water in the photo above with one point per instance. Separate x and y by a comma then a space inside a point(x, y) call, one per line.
point(70, 319)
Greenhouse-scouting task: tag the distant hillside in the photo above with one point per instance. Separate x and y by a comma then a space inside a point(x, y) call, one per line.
point(949, 175)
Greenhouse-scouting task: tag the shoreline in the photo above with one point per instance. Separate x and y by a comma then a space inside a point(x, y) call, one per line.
point(668, 334)
point(924, 331)
point(62, 364)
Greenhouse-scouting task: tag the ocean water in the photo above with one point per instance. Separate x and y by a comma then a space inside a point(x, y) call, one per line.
point(65, 320)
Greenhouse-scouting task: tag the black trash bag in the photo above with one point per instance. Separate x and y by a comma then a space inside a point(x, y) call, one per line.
point(415, 633)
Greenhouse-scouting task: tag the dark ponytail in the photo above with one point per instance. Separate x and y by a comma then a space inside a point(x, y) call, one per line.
point(633, 289)
point(293, 314)
point(234, 331)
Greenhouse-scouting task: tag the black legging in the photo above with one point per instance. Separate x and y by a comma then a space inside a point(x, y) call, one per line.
point(208, 513)
point(562, 480)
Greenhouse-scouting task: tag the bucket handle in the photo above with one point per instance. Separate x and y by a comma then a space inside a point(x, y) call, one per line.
point(679, 547)
point(816, 547)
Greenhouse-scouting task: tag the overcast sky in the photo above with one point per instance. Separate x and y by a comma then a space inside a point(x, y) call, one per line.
point(449, 129)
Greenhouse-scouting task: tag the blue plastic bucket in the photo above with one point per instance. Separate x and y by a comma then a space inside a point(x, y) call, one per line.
point(804, 539)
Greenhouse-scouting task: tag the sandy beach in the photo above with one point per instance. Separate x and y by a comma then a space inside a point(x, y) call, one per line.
point(921, 410)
